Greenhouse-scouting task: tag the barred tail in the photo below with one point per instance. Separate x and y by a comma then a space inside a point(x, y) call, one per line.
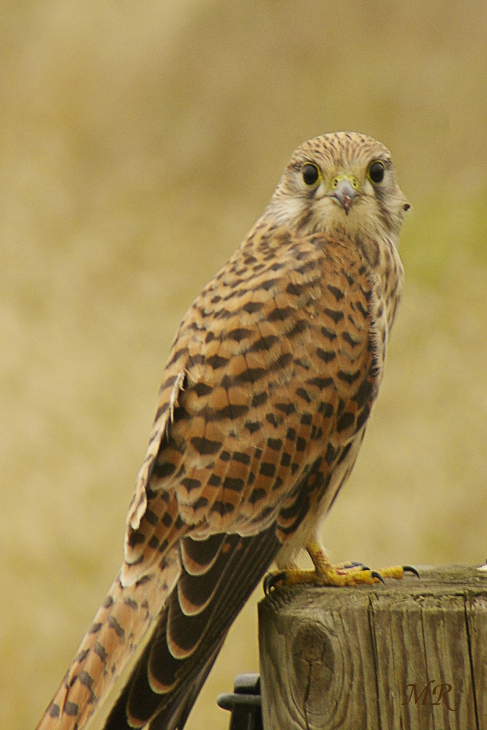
point(168, 675)
point(117, 630)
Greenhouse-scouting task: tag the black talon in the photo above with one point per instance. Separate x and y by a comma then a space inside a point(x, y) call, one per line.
point(268, 583)
point(377, 575)
point(410, 569)
point(354, 564)
point(271, 581)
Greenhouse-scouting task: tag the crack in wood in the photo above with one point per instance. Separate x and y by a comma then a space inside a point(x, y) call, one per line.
point(370, 645)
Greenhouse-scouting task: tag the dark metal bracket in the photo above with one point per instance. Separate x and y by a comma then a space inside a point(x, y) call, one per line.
point(245, 703)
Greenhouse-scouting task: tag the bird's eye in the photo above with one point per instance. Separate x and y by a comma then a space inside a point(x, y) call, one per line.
point(376, 171)
point(310, 173)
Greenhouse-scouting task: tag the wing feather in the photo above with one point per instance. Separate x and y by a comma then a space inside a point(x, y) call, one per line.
point(258, 379)
point(255, 413)
point(163, 680)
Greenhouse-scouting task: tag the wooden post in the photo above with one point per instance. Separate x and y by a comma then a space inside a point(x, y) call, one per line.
point(408, 655)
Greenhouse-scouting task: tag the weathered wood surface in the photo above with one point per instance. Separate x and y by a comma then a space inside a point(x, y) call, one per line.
point(349, 658)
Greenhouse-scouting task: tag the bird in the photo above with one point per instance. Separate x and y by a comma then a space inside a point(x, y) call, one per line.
point(263, 406)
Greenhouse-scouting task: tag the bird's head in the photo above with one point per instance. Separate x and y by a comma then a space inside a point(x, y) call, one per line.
point(343, 182)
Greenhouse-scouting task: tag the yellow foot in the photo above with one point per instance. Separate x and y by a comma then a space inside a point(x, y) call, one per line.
point(327, 574)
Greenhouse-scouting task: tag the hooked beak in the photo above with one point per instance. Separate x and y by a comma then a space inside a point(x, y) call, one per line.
point(345, 191)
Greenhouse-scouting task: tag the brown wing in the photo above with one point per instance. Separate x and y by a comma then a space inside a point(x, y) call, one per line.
point(269, 382)
point(275, 368)
point(182, 650)
point(279, 377)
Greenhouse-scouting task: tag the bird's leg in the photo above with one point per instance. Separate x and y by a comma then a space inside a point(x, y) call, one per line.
point(326, 573)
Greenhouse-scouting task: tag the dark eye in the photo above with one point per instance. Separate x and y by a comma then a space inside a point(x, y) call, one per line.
point(310, 173)
point(376, 171)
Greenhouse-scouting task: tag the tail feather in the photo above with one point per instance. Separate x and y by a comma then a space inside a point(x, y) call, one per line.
point(117, 630)
point(169, 674)
point(189, 614)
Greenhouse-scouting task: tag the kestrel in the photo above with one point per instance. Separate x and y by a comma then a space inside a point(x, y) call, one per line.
point(262, 409)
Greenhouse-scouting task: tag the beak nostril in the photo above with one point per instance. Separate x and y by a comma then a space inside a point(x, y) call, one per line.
point(345, 191)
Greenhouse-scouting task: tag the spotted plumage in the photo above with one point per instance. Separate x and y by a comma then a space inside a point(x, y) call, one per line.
point(263, 406)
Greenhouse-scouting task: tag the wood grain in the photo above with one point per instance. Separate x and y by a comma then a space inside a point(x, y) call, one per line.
point(409, 655)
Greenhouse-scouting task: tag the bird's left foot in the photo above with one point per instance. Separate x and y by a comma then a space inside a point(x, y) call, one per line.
point(326, 573)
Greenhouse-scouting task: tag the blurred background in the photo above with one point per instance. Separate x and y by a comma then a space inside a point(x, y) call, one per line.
point(140, 140)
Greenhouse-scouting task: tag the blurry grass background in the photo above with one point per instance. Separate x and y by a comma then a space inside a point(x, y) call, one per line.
point(139, 140)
